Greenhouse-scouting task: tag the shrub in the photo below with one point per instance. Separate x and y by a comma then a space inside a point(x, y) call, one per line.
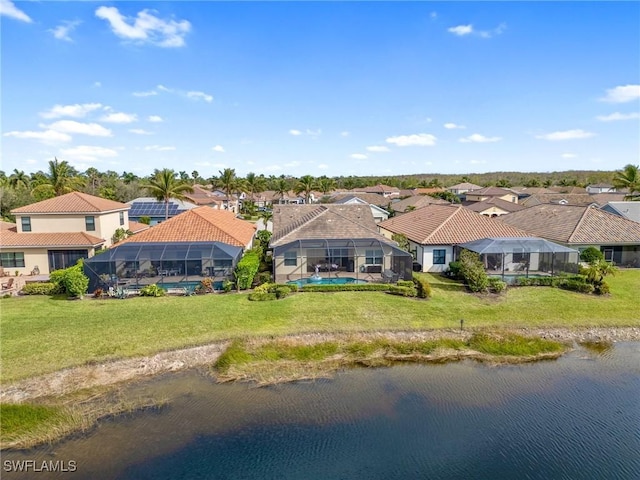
point(405, 283)
point(347, 287)
point(496, 285)
point(246, 269)
point(206, 285)
point(97, 293)
point(262, 278)
point(602, 289)
point(422, 286)
point(575, 286)
point(39, 288)
point(71, 281)
point(403, 291)
point(282, 291)
point(455, 270)
point(591, 255)
point(227, 286)
point(152, 290)
point(261, 297)
point(472, 271)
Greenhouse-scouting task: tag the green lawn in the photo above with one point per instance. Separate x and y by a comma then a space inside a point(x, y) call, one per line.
point(41, 334)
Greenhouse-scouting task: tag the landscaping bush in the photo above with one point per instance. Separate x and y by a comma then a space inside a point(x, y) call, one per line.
point(347, 287)
point(152, 290)
point(591, 255)
point(39, 288)
point(602, 289)
point(405, 283)
point(282, 291)
point(71, 281)
point(402, 291)
point(575, 286)
point(262, 278)
point(261, 297)
point(227, 286)
point(422, 286)
point(455, 270)
point(97, 293)
point(246, 269)
point(472, 271)
point(496, 285)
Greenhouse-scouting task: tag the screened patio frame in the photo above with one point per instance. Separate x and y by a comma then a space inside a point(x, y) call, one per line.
point(524, 256)
point(352, 260)
point(136, 264)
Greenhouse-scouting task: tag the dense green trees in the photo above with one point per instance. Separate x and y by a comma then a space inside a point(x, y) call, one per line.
point(164, 186)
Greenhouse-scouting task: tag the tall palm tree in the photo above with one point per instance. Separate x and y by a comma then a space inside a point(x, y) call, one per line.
point(60, 179)
point(326, 185)
point(164, 186)
point(281, 188)
point(19, 179)
point(255, 184)
point(228, 182)
point(629, 178)
point(306, 184)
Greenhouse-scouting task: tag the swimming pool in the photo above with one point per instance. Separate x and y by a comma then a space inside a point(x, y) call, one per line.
point(326, 281)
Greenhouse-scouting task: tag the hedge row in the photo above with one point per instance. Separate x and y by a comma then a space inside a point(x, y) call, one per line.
point(402, 290)
point(347, 287)
point(574, 283)
point(272, 291)
point(422, 286)
point(40, 288)
point(246, 269)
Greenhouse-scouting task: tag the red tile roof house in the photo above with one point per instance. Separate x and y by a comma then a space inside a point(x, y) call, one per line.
point(201, 242)
point(435, 231)
point(55, 233)
point(582, 226)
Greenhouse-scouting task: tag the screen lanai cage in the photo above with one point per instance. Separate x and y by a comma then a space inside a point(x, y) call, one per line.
point(169, 265)
point(513, 257)
point(357, 259)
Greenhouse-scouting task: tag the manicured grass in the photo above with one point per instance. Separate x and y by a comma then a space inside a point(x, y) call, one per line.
point(42, 334)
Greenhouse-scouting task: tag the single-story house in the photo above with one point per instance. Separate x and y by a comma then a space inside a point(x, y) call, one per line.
point(484, 194)
point(493, 207)
point(379, 214)
point(462, 188)
point(580, 227)
point(201, 242)
point(333, 241)
point(601, 188)
point(435, 232)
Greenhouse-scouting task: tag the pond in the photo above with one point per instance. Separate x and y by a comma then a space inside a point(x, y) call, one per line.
point(576, 418)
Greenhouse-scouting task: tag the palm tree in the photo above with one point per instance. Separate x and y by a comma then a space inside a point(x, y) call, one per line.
point(228, 182)
point(306, 184)
point(326, 185)
point(164, 186)
point(597, 270)
point(61, 179)
point(282, 188)
point(629, 178)
point(19, 179)
point(255, 184)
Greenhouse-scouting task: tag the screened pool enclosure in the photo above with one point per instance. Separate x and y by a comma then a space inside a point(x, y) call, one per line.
point(524, 256)
point(369, 259)
point(169, 265)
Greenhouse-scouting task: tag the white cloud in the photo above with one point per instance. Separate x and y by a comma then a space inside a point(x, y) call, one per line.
point(158, 148)
point(62, 31)
point(76, 111)
point(492, 33)
point(47, 136)
point(295, 132)
point(88, 153)
point(155, 119)
point(358, 156)
point(8, 9)
point(569, 155)
point(566, 135)
point(97, 84)
point(433, 15)
point(149, 93)
point(452, 126)
point(622, 94)
point(477, 138)
point(120, 118)
point(146, 27)
point(345, 134)
point(419, 139)
point(461, 30)
point(311, 133)
point(71, 126)
point(200, 96)
point(140, 131)
point(618, 116)
point(218, 148)
point(378, 148)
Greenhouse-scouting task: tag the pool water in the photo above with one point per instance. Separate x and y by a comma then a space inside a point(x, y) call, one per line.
point(326, 281)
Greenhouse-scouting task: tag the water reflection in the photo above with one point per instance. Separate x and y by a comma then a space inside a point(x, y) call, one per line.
point(578, 417)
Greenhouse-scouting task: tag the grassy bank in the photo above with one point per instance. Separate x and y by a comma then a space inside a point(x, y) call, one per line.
point(41, 334)
point(287, 360)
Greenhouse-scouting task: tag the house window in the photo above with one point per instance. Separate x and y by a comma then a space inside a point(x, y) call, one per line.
point(373, 257)
point(290, 258)
point(26, 224)
point(121, 218)
point(90, 223)
point(439, 256)
point(12, 259)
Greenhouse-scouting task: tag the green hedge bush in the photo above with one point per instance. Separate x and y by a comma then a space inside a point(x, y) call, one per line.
point(39, 288)
point(575, 286)
point(496, 285)
point(422, 286)
point(246, 269)
point(152, 290)
point(347, 287)
point(402, 291)
point(71, 281)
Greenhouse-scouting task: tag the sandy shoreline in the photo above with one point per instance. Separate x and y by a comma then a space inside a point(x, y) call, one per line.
point(73, 379)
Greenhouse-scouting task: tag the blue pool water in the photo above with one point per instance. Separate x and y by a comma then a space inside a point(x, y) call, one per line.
point(326, 281)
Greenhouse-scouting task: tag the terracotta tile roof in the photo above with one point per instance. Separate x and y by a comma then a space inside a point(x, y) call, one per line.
point(493, 202)
point(10, 238)
point(136, 227)
point(203, 196)
point(464, 186)
point(370, 198)
point(333, 221)
point(417, 201)
point(380, 188)
point(575, 224)
point(7, 225)
point(571, 198)
point(426, 191)
point(448, 225)
point(201, 224)
point(74, 202)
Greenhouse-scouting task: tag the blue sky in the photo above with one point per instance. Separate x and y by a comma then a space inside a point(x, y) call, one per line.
point(320, 88)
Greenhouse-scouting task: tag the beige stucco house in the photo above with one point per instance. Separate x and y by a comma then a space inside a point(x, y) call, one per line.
point(55, 233)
